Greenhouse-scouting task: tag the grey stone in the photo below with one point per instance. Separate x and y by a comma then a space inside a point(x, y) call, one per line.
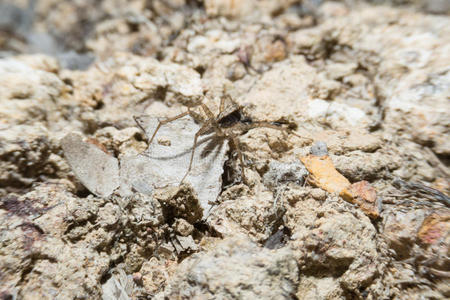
point(98, 171)
point(280, 173)
point(235, 269)
point(319, 149)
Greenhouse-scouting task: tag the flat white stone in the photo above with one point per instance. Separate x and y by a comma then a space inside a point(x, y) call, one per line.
point(166, 161)
point(97, 171)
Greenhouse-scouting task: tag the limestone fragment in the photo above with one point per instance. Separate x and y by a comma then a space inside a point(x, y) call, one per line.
point(337, 112)
point(323, 174)
point(98, 171)
point(149, 75)
point(319, 149)
point(119, 286)
point(36, 89)
point(311, 287)
point(163, 165)
point(292, 78)
point(183, 227)
point(280, 173)
point(184, 244)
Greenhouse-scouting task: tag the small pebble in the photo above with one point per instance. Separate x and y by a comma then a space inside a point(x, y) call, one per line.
point(319, 194)
point(183, 227)
point(319, 149)
point(280, 172)
point(137, 277)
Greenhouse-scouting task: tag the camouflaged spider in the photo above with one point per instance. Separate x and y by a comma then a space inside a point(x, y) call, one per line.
point(228, 124)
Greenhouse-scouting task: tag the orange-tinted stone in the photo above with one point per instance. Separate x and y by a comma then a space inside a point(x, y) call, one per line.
point(324, 175)
point(434, 227)
point(365, 196)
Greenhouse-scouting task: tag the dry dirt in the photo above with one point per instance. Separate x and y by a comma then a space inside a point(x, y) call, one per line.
point(89, 211)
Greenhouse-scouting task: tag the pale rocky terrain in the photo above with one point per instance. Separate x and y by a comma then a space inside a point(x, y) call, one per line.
point(88, 210)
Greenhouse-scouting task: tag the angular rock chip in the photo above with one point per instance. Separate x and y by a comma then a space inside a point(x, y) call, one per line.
point(280, 172)
point(166, 161)
point(365, 196)
point(324, 175)
point(119, 286)
point(97, 171)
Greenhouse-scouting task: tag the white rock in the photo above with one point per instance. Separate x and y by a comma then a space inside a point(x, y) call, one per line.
point(336, 111)
point(98, 171)
point(166, 164)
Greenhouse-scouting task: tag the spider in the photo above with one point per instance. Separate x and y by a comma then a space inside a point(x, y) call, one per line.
point(228, 124)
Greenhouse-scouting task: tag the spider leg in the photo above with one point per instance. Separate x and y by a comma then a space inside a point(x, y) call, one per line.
point(140, 126)
point(197, 117)
point(241, 160)
point(208, 112)
point(264, 124)
point(200, 132)
point(222, 105)
point(163, 122)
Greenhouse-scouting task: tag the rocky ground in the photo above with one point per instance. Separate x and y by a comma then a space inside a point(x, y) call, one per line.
point(345, 198)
